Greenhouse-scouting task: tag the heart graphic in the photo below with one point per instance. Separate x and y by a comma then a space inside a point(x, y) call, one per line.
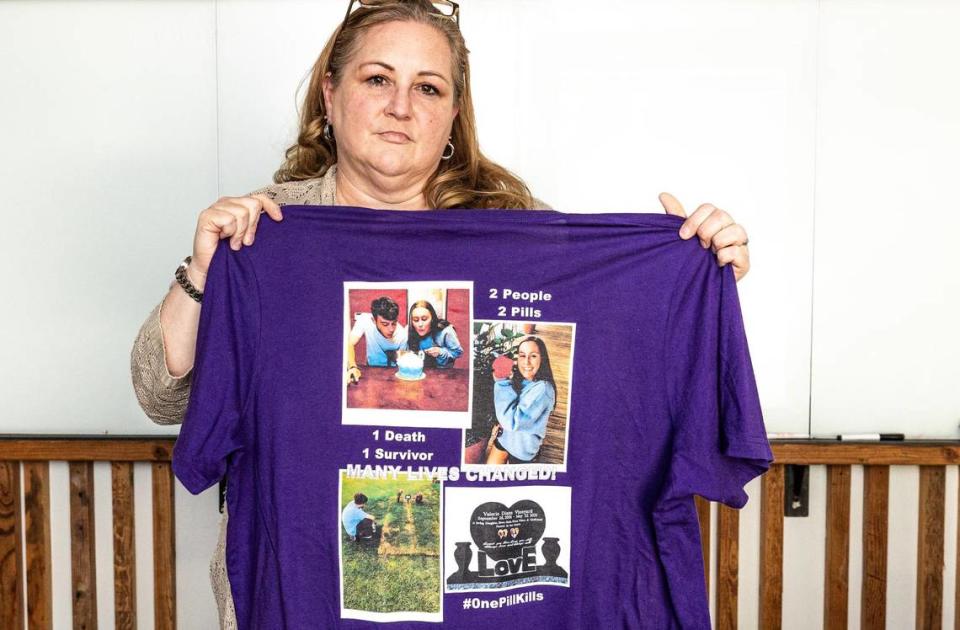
point(502, 532)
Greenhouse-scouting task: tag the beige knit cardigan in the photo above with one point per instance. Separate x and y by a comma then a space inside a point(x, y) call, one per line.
point(164, 397)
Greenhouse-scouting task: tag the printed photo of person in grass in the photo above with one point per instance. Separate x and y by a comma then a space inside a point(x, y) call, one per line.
point(390, 548)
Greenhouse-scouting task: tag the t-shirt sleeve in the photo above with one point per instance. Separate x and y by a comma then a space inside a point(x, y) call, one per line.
point(450, 348)
point(719, 439)
point(228, 337)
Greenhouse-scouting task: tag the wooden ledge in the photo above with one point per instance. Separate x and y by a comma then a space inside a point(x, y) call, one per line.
point(905, 453)
point(112, 448)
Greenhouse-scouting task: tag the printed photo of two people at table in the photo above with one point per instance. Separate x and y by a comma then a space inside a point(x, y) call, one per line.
point(407, 348)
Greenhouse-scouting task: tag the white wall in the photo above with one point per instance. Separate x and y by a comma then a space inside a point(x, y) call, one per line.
point(886, 261)
point(829, 129)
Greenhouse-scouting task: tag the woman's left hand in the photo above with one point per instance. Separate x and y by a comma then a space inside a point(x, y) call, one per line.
point(433, 351)
point(717, 230)
point(502, 367)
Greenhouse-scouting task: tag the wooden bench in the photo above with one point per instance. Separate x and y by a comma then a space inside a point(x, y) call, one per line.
point(932, 457)
point(34, 453)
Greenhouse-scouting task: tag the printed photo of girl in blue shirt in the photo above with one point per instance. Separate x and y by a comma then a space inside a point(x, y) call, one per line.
point(524, 395)
point(523, 399)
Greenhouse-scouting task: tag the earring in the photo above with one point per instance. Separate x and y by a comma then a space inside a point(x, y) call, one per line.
point(327, 130)
point(445, 156)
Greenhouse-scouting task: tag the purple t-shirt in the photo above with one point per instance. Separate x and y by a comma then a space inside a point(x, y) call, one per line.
point(652, 400)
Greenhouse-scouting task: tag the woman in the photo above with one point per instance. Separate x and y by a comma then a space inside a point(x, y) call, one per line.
point(387, 123)
point(436, 337)
point(524, 395)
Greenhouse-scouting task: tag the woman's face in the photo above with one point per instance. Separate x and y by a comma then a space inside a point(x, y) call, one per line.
point(421, 320)
point(393, 111)
point(528, 359)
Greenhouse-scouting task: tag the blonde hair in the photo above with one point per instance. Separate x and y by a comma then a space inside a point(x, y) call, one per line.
point(468, 179)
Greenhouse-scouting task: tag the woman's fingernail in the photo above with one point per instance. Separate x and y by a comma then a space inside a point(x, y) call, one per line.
point(247, 240)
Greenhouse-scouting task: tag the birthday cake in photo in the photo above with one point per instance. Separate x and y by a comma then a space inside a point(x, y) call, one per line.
point(411, 366)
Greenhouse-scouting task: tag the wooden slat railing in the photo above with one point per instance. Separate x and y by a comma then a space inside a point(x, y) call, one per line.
point(82, 545)
point(932, 457)
point(930, 547)
point(11, 548)
point(32, 455)
point(124, 548)
point(771, 546)
point(36, 510)
point(164, 548)
point(25, 460)
point(703, 513)
point(728, 549)
point(873, 594)
point(837, 548)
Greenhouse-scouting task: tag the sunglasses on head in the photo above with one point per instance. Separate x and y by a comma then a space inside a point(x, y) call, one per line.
point(446, 8)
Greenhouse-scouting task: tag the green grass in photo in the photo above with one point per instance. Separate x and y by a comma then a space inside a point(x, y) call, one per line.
point(403, 573)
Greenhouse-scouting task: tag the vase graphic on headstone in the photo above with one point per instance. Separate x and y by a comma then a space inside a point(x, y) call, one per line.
point(551, 551)
point(463, 574)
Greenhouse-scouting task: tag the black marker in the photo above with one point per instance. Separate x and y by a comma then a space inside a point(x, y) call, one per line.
point(873, 437)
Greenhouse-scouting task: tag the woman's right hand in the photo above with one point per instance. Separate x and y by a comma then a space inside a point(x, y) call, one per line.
point(229, 217)
point(235, 218)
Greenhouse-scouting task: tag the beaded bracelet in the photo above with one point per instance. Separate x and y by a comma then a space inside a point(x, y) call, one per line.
point(184, 281)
